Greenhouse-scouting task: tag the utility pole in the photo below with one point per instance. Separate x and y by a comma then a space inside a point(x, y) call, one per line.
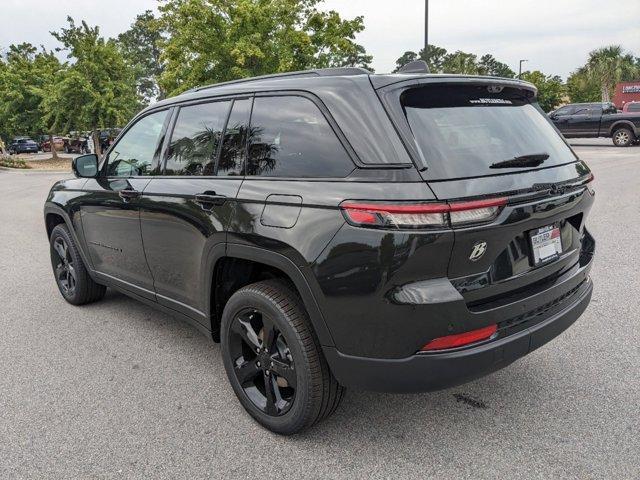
point(426, 24)
point(520, 69)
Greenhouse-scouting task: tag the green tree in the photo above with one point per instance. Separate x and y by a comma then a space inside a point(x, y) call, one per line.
point(551, 90)
point(140, 46)
point(462, 63)
point(608, 66)
point(488, 65)
point(98, 88)
point(216, 40)
point(440, 61)
point(582, 88)
point(433, 55)
point(24, 79)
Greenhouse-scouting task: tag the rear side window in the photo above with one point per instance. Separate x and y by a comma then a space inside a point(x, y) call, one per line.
point(290, 137)
point(196, 138)
point(234, 145)
point(467, 131)
point(634, 107)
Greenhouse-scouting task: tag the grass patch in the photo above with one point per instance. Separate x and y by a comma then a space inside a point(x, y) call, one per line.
point(13, 163)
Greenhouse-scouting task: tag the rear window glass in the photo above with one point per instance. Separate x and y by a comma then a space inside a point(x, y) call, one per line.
point(290, 137)
point(467, 131)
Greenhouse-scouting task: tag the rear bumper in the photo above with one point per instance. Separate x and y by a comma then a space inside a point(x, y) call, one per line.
point(434, 371)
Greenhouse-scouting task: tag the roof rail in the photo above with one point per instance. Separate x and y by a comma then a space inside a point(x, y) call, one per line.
point(319, 72)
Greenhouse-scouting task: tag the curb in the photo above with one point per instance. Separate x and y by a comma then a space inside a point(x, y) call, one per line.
point(33, 170)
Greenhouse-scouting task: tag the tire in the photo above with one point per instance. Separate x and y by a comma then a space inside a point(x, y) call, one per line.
point(303, 389)
point(70, 273)
point(623, 137)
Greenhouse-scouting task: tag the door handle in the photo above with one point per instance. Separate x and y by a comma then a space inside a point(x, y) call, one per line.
point(128, 194)
point(210, 199)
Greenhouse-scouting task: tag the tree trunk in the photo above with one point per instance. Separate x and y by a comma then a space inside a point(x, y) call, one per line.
point(605, 93)
point(54, 153)
point(95, 134)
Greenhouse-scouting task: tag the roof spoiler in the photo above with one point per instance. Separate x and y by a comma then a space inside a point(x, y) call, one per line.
point(417, 66)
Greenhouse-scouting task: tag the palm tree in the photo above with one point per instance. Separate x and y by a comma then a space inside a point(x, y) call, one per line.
point(610, 65)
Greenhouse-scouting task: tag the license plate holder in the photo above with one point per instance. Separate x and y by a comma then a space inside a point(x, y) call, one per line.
point(546, 244)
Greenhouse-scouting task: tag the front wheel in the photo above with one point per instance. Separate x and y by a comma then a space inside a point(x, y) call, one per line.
point(273, 359)
point(72, 278)
point(623, 137)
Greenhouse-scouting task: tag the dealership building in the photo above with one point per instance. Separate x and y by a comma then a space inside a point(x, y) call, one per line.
point(626, 92)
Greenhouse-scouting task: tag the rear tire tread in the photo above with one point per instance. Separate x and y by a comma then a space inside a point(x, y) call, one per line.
point(326, 393)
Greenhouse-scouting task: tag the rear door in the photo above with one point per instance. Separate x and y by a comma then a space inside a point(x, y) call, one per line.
point(185, 212)
point(488, 141)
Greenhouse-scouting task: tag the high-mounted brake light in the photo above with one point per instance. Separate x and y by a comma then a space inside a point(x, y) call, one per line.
point(420, 215)
point(460, 339)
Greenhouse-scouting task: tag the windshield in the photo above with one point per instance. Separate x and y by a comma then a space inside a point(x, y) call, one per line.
point(462, 131)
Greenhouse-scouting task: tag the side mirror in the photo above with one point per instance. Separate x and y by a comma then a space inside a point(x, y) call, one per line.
point(85, 166)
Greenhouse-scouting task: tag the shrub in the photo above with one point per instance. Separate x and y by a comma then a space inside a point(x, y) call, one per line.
point(13, 162)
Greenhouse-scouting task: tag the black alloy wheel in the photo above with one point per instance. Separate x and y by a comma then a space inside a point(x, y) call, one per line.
point(263, 364)
point(273, 359)
point(73, 280)
point(64, 268)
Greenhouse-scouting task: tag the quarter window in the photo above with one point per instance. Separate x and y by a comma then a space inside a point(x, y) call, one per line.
point(290, 137)
point(136, 151)
point(196, 138)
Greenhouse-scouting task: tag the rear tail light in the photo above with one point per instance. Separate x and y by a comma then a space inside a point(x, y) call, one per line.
point(396, 215)
point(460, 339)
point(421, 215)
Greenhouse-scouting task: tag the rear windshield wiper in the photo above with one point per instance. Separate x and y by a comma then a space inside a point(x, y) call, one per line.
point(522, 161)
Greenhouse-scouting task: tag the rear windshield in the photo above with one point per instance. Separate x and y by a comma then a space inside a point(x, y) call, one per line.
point(467, 131)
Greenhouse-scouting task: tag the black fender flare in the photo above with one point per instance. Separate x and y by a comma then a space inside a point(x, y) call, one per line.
point(293, 271)
point(56, 209)
point(623, 123)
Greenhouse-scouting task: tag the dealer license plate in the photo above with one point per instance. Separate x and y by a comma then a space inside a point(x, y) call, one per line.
point(546, 244)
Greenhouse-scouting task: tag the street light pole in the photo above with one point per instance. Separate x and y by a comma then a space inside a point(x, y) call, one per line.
point(520, 69)
point(426, 25)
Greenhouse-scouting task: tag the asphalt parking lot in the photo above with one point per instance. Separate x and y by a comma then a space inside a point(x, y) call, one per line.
point(119, 390)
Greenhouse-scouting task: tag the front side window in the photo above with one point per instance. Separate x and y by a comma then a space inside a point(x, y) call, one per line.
point(196, 138)
point(135, 152)
point(468, 131)
point(290, 137)
point(565, 111)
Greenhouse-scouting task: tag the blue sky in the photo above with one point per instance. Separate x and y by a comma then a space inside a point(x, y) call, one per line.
point(554, 35)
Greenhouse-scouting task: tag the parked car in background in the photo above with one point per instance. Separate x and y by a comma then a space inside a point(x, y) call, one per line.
point(23, 145)
point(76, 145)
point(58, 143)
point(631, 107)
point(584, 120)
point(335, 228)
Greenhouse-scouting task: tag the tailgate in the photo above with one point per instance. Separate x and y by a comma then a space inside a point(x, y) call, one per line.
point(535, 238)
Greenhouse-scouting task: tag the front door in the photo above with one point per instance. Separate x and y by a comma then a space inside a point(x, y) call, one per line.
point(186, 211)
point(110, 210)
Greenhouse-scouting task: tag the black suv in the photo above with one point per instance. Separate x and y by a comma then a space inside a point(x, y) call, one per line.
point(334, 228)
